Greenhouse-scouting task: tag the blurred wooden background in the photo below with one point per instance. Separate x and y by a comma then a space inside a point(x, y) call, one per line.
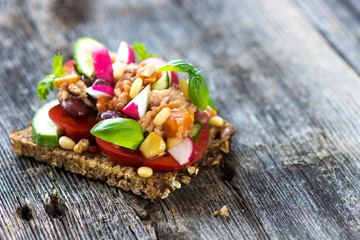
point(285, 72)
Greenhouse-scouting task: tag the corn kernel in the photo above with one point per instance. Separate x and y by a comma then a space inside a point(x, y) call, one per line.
point(153, 145)
point(136, 87)
point(192, 113)
point(145, 172)
point(216, 121)
point(184, 87)
point(151, 79)
point(170, 142)
point(118, 69)
point(66, 143)
point(161, 117)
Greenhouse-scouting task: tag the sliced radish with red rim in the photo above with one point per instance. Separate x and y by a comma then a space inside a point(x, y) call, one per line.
point(183, 152)
point(137, 107)
point(125, 53)
point(100, 90)
point(102, 63)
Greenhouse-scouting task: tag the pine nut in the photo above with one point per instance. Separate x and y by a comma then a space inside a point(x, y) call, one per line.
point(66, 143)
point(148, 70)
point(82, 145)
point(161, 117)
point(191, 169)
point(118, 68)
point(216, 121)
point(136, 87)
point(184, 87)
point(145, 172)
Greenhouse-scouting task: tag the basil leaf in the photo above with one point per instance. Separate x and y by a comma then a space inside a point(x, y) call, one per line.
point(141, 50)
point(198, 91)
point(48, 82)
point(178, 65)
point(124, 132)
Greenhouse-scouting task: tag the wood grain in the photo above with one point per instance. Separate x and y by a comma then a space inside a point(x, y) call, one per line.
point(274, 69)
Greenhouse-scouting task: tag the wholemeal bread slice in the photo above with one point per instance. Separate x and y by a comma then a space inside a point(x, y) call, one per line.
point(97, 166)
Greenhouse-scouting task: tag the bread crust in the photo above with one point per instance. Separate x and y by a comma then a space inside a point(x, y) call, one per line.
point(97, 166)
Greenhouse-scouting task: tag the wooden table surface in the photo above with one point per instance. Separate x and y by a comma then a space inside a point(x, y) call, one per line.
point(285, 72)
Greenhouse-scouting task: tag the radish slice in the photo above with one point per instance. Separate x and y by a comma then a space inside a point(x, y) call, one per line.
point(183, 152)
point(125, 53)
point(158, 63)
point(103, 88)
point(137, 107)
point(102, 63)
point(100, 90)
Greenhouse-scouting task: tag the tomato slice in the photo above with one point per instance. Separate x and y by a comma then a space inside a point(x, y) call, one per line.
point(70, 66)
point(71, 127)
point(128, 157)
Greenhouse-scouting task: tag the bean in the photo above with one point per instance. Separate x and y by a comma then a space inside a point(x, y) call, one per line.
point(111, 114)
point(75, 107)
point(102, 82)
point(201, 117)
point(88, 82)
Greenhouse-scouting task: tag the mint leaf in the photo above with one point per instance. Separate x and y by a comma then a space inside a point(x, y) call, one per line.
point(48, 82)
point(198, 91)
point(141, 50)
point(124, 132)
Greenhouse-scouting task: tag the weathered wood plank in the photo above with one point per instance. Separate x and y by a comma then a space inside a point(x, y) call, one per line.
point(297, 140)
point(338, 22)
point(92, 210)
point(293, 100)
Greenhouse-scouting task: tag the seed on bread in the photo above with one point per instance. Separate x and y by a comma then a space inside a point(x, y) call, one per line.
point(66, 143)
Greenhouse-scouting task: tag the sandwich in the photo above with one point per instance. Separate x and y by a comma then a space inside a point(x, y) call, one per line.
point(126, 120)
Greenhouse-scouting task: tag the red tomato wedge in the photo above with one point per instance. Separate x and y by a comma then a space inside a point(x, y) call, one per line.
point(70, 67)
point(127, 157)
point(71, 127)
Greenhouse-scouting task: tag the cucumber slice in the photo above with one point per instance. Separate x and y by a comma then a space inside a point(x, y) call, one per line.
point(195, 130)
point(82, 55)
point(162, 83)
point(44, 131)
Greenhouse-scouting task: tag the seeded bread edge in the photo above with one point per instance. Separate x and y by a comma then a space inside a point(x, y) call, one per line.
point(97, 166)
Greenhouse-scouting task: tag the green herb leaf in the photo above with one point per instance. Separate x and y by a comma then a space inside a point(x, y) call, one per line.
point(123, 132)
point(198, 91)
point(141, 50)
point(48, 82)
point(178, 65)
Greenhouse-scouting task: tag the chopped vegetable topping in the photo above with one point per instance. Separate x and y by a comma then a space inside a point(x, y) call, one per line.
point(111, 97)
point(48, 82)
point(178, 124)
point(197, 90)
point(123, 132)
point(141, 50)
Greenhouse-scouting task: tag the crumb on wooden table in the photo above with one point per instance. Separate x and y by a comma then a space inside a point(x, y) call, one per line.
point(224, 211)
point(215, 213)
